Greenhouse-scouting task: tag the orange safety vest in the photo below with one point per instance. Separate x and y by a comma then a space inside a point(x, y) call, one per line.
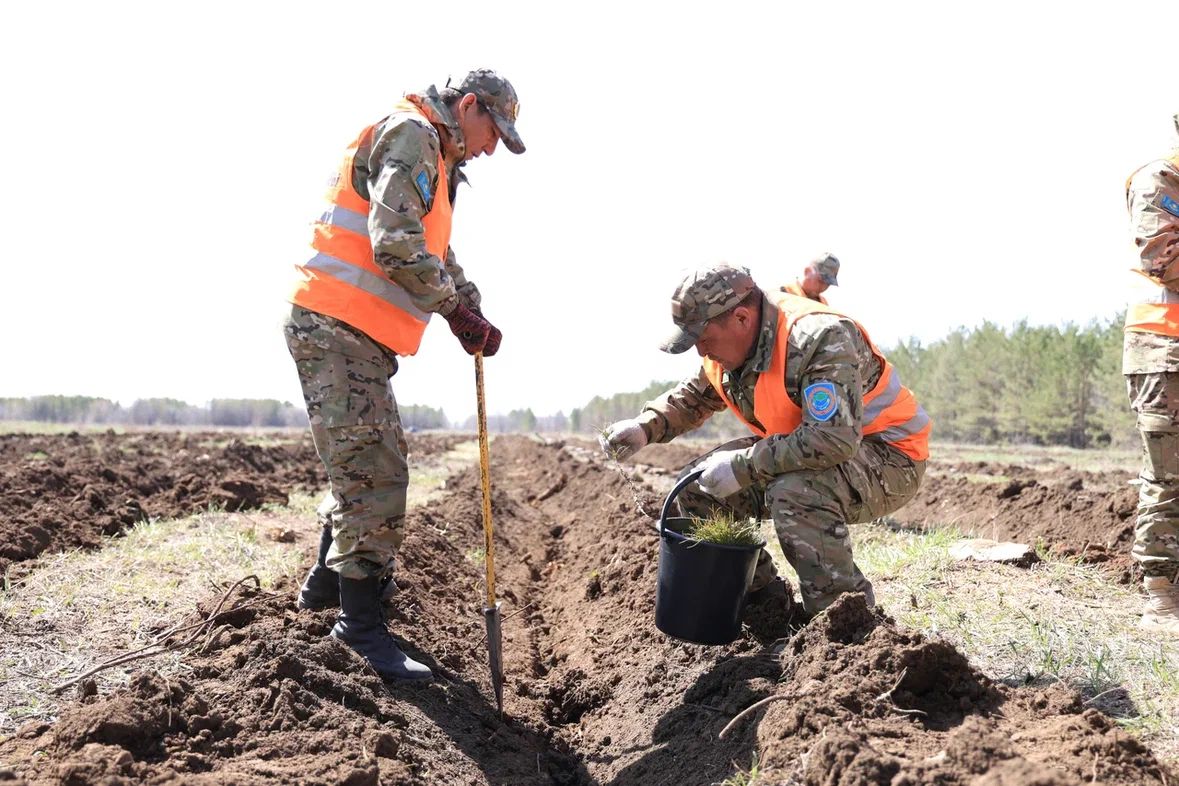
point(890, 409)
point(795, 288)
point(1159, 314)
point(341, 279)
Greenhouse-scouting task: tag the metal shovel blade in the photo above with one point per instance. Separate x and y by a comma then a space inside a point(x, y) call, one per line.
point(495, 653)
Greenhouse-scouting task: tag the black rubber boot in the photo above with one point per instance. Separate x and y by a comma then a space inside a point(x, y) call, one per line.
point(361, 625)
point(321, 589)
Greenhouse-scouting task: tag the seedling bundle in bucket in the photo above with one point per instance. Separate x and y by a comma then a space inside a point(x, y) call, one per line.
point(705, 568)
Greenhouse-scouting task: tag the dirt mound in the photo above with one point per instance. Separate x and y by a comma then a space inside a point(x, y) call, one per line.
point(594, 694)
point(1084, 514)
point(68, 490)
point(863, 702)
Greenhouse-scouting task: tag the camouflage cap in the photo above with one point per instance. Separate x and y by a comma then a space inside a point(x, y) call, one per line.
point(499, 98)
point(827, 266)
point(704, 294)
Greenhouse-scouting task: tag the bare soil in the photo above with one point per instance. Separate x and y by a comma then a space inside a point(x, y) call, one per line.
point(594, 694)
point(1089, 515)
point(66, 491)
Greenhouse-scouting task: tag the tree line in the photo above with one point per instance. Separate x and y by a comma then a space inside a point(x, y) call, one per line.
point(600, 412)
point(1033, 384)
point(242, 412)
point(1030, 384)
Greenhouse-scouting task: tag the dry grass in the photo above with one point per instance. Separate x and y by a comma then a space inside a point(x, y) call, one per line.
point(1057, 621)
point(1092, 460)
point(37, 427)
point(76, 608)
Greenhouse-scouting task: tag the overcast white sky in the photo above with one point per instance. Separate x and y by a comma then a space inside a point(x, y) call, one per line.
point(159, 166)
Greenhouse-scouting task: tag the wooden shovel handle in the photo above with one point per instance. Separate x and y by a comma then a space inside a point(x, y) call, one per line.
point(485, 479)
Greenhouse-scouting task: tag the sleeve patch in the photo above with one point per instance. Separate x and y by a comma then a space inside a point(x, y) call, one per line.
point(821, 401)
point(422, 181)
point(1170, 205)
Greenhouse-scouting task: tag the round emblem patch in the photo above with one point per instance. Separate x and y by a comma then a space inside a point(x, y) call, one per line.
point(821, 402)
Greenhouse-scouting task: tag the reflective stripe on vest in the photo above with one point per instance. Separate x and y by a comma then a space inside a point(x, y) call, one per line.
point(891, 410)
point(342, 280)
point(1157, 312)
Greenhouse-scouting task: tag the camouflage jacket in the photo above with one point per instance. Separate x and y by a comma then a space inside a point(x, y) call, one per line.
point(1152, 197)
point(821, 348)
point(400, 147)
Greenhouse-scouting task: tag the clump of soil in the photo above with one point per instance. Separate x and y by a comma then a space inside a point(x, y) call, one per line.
point(594, 693)
point(66, 491)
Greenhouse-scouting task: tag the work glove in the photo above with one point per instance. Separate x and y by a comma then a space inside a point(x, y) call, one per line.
point(624, 438)
point(493, 337)
point(719, 480)
point(470, 327)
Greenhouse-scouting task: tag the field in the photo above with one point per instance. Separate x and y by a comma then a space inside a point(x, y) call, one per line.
point(969, 674)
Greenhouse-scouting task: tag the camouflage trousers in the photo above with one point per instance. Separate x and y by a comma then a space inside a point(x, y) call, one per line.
point(1155, 399)
point(812, 509)
point(358, 435)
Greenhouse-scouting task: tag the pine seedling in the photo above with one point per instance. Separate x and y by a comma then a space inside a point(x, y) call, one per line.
point(723, 529)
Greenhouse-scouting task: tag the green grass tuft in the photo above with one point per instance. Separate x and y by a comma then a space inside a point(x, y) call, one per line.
point(743, 777)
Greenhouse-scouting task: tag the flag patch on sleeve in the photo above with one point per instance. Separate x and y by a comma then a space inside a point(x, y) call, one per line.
point(422, 181)
point(1170, 205)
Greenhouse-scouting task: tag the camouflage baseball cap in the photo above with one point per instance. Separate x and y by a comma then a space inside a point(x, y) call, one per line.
point(827, 266)
point(704, 294)
point(499, 98)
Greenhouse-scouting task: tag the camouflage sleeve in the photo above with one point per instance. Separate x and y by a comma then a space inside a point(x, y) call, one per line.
point(467, 292)
point(681, 409)
point(825, 351)
point(403, 184)
point(1153, 200)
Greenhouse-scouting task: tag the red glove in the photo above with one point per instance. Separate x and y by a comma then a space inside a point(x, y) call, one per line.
point(493, 339)
point(471, 328)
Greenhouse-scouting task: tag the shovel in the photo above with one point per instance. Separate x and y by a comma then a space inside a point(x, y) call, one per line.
point(495, 653)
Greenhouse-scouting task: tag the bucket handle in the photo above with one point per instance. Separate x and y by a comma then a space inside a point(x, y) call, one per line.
point(684, 482)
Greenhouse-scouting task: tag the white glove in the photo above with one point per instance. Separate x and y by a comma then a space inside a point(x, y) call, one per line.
point(719, 480)
point(624, 438)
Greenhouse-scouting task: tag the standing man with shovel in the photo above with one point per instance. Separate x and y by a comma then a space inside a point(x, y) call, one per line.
point(381, 266)
point(838, 439)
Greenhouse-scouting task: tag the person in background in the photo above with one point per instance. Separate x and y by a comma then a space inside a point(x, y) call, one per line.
point(819, 274)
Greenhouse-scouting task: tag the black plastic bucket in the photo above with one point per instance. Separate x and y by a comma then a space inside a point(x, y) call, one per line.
point(702, 586)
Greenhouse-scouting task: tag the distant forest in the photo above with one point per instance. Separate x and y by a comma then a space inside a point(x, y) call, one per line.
point(1042, 385)
point(255, 413)
point(1038, 385)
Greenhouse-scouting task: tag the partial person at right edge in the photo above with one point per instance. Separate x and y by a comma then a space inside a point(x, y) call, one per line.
point(1150, 361)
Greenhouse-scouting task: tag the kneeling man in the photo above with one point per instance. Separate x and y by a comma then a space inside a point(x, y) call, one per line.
point(838, 439)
